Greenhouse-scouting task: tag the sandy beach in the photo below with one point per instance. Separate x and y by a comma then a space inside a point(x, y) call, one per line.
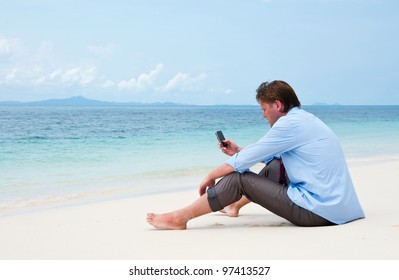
point(117, 229)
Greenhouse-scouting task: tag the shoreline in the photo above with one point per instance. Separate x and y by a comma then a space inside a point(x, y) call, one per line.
point(116, 229)
point(124, 190)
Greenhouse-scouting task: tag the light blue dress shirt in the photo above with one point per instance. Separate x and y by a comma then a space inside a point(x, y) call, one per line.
point(315, 165)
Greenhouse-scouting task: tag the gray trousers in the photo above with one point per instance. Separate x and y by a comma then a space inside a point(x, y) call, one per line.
point(266, 189)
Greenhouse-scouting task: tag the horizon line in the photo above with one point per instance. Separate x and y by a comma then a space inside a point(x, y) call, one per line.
point(84, 101)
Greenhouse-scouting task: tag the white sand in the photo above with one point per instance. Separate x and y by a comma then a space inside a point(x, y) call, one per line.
point(118, 230)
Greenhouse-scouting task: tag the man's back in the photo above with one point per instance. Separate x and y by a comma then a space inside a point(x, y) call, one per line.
point(317, 169)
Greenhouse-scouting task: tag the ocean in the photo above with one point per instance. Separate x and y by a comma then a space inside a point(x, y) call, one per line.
point(56, 154)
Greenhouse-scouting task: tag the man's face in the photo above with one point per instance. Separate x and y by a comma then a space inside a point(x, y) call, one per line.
point(272, 111)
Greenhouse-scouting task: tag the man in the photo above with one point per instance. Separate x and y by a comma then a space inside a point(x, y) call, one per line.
point(305, 181)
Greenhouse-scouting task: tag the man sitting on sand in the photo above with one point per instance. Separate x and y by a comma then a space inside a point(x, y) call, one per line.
point(305, 181)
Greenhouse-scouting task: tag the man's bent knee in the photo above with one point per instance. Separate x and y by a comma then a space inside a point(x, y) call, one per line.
point(213, 200)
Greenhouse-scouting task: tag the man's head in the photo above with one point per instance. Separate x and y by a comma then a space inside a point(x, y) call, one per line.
point(276, 99)
point(278, 91)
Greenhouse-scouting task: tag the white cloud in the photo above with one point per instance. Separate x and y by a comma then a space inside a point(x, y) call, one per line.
point(11, 76)
point(145, 80)
point(183, 81)
point(87, 76)
point(55, 74)
point(36, 76)
point(5, 46)
point(71, 75)
point(40, 80)
point(40, 68)
point(107, 84)
point(10, 46)
point(176, 81)
point(43, 79)
point(25, 67)
point(22, 75)
point(79, 75)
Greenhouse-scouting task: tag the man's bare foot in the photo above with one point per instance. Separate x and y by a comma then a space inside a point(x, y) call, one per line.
point(166, 221)
point(230, 210)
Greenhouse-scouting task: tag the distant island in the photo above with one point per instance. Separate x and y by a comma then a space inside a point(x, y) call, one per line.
point(82, 101)
point(326, 104)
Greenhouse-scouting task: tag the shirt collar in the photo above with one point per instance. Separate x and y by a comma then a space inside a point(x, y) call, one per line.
point(293, 110)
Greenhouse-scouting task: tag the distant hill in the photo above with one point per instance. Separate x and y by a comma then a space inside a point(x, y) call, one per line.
point(326, 104)
point(82, 101)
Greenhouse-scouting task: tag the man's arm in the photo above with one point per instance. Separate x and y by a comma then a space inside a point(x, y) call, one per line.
point(210, 180)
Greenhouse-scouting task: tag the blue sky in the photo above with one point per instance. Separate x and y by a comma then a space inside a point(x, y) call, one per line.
point(199, 52)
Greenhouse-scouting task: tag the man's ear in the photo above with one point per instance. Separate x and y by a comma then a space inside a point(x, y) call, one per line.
point(279, 106)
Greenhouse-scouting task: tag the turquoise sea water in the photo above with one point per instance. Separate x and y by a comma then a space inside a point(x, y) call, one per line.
point(51, 154)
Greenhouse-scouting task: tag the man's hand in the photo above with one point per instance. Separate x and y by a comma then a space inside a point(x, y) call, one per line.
point(231, 148)
point(207, 182)
point(210, 180)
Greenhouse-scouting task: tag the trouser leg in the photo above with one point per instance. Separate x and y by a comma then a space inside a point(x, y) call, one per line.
point(264, 190)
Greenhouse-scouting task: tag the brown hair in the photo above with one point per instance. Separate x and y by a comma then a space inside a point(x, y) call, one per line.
point(278, 90)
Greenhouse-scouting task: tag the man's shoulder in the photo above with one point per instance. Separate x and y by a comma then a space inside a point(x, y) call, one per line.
point(299, 112)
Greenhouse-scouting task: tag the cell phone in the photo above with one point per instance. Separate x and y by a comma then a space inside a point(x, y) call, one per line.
point(220, 137)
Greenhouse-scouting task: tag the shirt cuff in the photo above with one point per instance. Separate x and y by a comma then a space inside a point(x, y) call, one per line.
point(232, 162)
